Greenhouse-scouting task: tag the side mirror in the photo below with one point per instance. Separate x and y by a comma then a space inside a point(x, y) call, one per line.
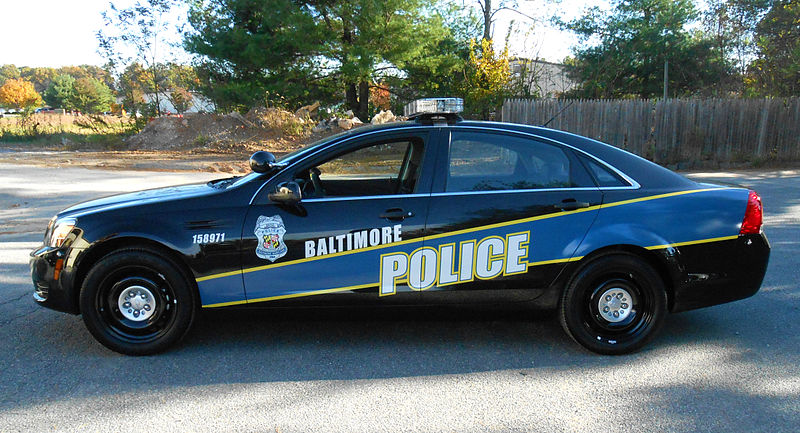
point(287, 193)
point(263, 162)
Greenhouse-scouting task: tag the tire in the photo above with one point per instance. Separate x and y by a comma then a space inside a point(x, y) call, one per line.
point(157, 308)
point(614, 304)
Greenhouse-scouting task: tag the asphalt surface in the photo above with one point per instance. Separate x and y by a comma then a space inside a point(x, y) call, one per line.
point(733, 367)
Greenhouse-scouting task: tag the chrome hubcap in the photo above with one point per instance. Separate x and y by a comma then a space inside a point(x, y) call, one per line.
point(614, 304)
point(137, 303)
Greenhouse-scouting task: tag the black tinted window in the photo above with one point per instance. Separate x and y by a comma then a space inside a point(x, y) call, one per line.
point(486, 162)
point(602, 174)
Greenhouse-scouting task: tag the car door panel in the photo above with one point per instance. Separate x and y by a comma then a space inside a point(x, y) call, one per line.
point(328, 248)
point(331, 247)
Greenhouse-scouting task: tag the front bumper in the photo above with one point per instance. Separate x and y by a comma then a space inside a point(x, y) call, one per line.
point(48, 274)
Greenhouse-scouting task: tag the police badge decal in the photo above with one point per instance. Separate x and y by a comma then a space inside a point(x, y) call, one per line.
point(269, 232)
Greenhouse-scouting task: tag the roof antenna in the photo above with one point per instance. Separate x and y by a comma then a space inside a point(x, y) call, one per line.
point(558, 114)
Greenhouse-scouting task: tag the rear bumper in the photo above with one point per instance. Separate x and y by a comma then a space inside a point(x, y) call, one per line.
point(47, 266)
point(720, 272)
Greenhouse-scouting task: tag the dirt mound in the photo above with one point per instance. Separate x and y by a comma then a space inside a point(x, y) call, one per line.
point(271, 129)
point(199, 130)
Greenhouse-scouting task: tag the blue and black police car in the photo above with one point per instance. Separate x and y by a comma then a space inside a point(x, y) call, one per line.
point(427, 211)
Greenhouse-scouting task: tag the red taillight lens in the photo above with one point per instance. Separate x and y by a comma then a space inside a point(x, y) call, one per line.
point(753, 215)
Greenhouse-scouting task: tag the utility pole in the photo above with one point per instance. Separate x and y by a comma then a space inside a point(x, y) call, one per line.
point(666, 77)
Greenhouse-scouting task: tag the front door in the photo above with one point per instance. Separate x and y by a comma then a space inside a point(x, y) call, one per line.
point(507, 212)
point(364, 198)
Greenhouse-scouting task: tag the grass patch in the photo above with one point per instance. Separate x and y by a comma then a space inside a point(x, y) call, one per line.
point(65, 132)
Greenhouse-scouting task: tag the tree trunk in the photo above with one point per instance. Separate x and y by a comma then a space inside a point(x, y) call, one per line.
point(363, 101)
point(487, 20)
point(356, 95)
point(351, 96)
point(357, 99)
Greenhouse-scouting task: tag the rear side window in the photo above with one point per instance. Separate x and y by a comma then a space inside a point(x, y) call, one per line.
point(490, 162)
point(602, 174)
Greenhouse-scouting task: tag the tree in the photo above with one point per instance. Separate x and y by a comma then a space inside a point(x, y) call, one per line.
point(181, 99)
point(318, 50)
point(776, 70)
point(91, 96)
point(178, 75)
point(232, 37)
point(40, 77)
point(140, 30)
point(489, 10)
point(732, 25)
point(133, 86)
point(439, 69)
point(367, 39)
point(103, 74)
point(486, 79)
point(19, 94)
point(61, 92)
point(636, 40)
point(8, 72)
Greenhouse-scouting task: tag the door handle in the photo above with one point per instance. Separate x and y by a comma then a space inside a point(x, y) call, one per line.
point(571, 204)
point(396, 214)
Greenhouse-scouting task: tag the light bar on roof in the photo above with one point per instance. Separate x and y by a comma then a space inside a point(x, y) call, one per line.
point(434, 106)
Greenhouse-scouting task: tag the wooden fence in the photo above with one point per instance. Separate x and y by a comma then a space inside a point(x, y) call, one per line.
point(685, 132)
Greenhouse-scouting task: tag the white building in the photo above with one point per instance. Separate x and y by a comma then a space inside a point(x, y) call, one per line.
point(200, 104)
point(550, 79)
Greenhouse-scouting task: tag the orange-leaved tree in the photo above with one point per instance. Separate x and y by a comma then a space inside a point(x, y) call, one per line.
point(379, 96)
point(19, 94)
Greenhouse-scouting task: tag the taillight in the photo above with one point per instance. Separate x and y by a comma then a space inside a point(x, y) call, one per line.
point(753, 215)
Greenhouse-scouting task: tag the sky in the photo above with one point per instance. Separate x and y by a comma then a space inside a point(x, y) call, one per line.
point(59, 32)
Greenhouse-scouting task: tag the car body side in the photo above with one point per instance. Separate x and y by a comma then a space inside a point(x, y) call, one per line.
point(688, 232)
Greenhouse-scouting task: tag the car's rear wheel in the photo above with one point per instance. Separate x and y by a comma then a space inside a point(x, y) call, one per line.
point(137, 302)
point(614, 304)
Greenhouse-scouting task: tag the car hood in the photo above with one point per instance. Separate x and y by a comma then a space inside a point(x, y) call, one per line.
point(136, 198)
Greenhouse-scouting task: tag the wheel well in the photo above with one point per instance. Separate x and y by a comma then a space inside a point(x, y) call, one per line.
point(97, 252)
point(658, 263)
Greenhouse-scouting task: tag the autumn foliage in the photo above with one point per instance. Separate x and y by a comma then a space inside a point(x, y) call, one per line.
point(487, 75)
point(19, 94)
point(379, 96)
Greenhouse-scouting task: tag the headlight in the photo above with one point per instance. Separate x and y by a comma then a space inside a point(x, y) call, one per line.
point(59, 231)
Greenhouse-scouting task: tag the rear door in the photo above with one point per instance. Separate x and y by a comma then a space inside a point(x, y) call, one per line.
point(507, 213)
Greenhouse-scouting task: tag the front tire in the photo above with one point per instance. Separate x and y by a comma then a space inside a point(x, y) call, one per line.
point(614, 304)
point(137, 302)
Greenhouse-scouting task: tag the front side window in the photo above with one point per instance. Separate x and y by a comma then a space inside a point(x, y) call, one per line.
point(489, 162)
point(384, 168)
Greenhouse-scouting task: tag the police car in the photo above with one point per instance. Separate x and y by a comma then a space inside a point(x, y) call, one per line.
point(427, 211)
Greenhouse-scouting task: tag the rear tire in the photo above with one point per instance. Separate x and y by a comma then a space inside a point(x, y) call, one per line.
point(614, 304)
point(137, 302)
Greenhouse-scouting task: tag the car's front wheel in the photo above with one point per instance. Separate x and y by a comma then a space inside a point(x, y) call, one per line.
point(137, 302)
point(614, 304)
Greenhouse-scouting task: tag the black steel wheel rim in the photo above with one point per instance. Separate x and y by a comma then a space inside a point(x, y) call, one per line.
point(638, 320)
point(122, 328)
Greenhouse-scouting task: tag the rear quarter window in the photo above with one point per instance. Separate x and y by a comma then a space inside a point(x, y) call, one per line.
point(602, 174)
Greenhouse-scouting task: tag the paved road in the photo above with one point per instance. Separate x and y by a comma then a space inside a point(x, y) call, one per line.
point(733, 367)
